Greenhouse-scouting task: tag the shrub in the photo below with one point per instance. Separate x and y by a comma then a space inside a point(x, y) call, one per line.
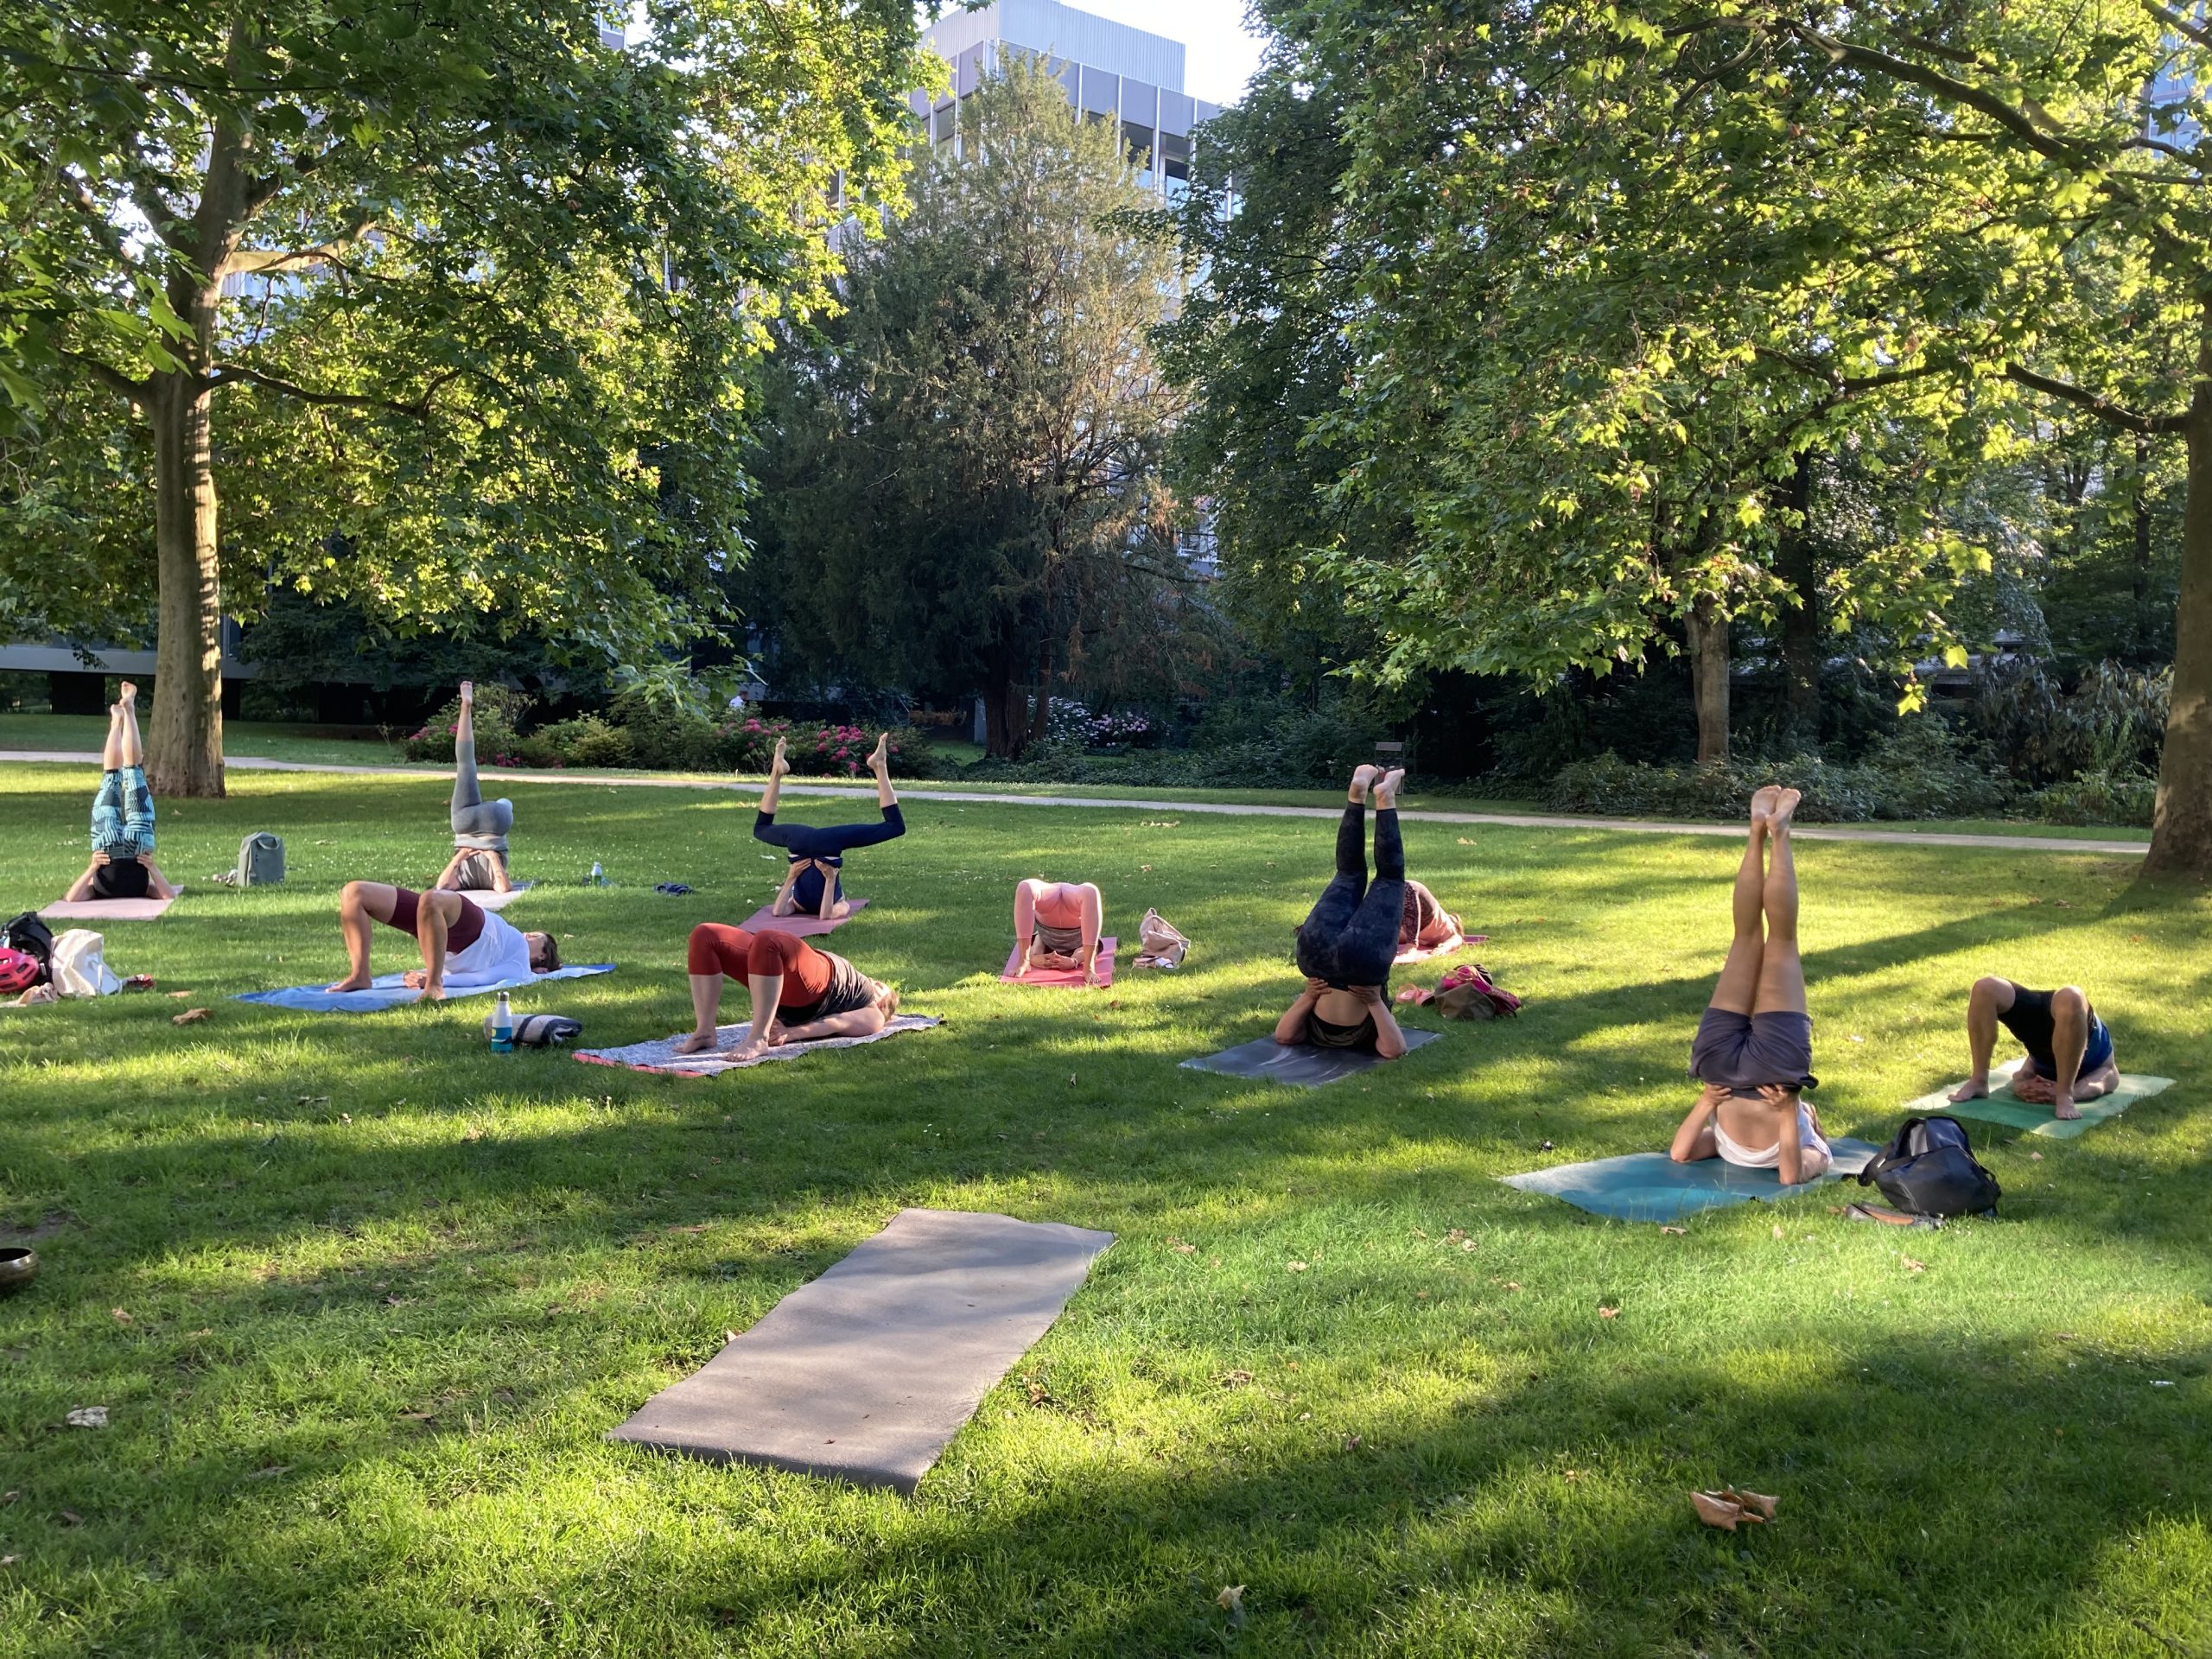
point(499, 714)
point(587, 741)
point(2111, 724)
point(2099, 798)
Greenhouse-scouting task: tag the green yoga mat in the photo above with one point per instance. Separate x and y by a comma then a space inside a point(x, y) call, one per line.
point(2001, 1107)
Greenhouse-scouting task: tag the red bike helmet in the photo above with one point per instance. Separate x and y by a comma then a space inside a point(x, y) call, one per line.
point(18, 972)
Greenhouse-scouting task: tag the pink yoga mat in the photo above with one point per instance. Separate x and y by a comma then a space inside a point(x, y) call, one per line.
point(1416, 954)
point(807, 927)
point(108, 910)
point(1061, 975)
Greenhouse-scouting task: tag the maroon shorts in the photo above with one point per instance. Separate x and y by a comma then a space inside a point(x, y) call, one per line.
point(467, 929)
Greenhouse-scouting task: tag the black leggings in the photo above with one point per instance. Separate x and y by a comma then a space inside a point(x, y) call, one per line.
point(1350, 936)
point(827, 844)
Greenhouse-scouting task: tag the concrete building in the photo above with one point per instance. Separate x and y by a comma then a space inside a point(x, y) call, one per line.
point(1112, 72)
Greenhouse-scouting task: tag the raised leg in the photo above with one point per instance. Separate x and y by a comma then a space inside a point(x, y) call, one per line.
point(1782, 969)
point(879, 762)
point(1738, 985)
point(2070, 1042)
point(465, 791)
point(769, 796)
point(1990, 997)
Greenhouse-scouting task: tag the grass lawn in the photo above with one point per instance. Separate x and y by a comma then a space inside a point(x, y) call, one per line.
point(362, 1298)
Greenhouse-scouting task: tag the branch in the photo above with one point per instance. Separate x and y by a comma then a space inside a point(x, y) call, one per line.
point(258, 192)
point(113, 378)
point(419, 409)
point(2111, 414)
point(2178, 24)
point(254, 262)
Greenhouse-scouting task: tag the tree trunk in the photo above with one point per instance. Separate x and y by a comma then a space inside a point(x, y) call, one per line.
point(1801, 625)
point(2138, 626)
point(184, 742)
point(1041, 713)
point(1708, 635)
point(2181, 827)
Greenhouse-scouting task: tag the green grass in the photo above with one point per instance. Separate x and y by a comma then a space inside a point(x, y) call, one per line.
point(362, 1297)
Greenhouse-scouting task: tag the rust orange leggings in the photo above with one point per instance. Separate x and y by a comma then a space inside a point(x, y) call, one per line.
point(718, 949)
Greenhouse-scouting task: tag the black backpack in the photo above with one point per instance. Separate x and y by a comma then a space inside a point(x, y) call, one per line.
point(1929, 1169)
point(30, 934)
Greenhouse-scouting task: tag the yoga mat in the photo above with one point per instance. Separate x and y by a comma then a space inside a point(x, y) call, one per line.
point(2001, 1106)
point(1062, 975)
point(1297, 1063)
point(660, 1055)
point(867, 1373)
point(807, 927)
point(489, 899)
point(388, 992)
point(108, 910)
point(1651, 1186)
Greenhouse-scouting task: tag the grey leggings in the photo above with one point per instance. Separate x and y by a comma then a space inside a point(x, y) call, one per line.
point(477, 823)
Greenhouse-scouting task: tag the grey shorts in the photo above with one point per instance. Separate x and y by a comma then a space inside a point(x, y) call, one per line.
point(1743, 1052)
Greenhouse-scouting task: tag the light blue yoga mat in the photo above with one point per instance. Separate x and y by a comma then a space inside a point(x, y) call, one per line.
point(1651, 1186)
point(389, 992)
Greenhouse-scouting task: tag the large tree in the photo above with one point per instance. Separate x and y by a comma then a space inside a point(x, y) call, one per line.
point(453, 297)
point(963, 487)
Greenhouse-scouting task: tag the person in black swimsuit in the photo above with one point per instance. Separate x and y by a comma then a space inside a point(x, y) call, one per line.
point(813, 884)
point(2069, 1049)
point(1350, 938)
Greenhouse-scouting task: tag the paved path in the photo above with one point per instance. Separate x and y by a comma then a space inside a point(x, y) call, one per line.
point(1509, 820)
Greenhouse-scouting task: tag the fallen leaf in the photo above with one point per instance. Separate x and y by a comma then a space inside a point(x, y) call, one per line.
point(1679, 1232)
point(1236, 1379)
point(1609, 1312)
point(10, 1561)
point(2035, 1157)
point(118, 1315)
point(87, 1417)
point(179, 995)
point(189, 1017)
point(696, 1227)
point(1466, 1243)
point(1181, 1248)
point(1039, 1394)
point(1231, 1601)
point(9, 1497)
point(1351, 1442)
point(1778, 1229)
point(1911, 1266)
point(1297, 1267)
point(1753, 1501)
point(71, 1518)
point(418, 1416)
point(1455, 1235)
point(272, 1472)
point(729, 1336)
point(1717, 1510)
point(1511, 1284)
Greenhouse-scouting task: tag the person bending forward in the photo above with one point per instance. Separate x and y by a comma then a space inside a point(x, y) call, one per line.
point(1754, 1048)
point(1426, 925)
point(799, 995)
point(1057, 925)
point(123, 817)
point(1348, 939)
point(2069, 1049)
point(480, 826)
point(813, 887)
point(463, 945)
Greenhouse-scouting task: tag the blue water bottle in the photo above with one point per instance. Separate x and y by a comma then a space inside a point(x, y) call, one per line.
point(503, 1028)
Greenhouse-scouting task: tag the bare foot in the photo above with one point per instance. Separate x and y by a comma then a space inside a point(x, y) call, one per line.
point(130, 695)
point(432, 994)
point(1386, 791)
point(1785, 803)
point(468, 690)
point(697, 1043)
point(778, 766)
point(1763, 802)
point(2063, 1107)
point(356, 983)
point(1972, 1089)
point(1363, 779)
point(878, 757)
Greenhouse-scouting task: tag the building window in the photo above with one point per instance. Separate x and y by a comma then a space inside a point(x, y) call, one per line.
point(946, 121)
point(1175, 157)
point(1136, 138)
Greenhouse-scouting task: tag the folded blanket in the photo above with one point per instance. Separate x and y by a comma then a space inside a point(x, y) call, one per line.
point(661, 1056)
point(1037, 976)
point(389, 992)
point(1413, 953)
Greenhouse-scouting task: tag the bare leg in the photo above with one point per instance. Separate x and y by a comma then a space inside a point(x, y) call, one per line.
point(1782, 970)
point(776, 767)
point(879, 762)
point(1738, 989)
point(1094, 924)
point(1363, 779)
point(361, 905)
point(1989, 998)
point(432, 917)
point(706, 1011)
point(1386, 788)
point(767, 991)
point(2069, 1041)
point(112, 754)
point(1025, 894)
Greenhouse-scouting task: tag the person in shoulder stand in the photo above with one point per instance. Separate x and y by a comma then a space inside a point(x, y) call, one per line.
point(1754, 1047)
point(480, 826)
point(123, 817)
point(1348, 939)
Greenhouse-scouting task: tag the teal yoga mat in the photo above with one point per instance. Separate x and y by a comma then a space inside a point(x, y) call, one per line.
point(1999, 1106)
point(1651, 1186)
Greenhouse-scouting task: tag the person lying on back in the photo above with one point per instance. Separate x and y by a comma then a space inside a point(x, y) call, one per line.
point(2069, 1049)
point(463, 946)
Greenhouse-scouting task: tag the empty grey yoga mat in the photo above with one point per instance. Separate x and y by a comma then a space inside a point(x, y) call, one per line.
point(867, 1373)
point(1298, 1063)
point(1651, 1186)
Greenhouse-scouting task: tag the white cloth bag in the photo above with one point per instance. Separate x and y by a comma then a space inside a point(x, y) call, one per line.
point(79, 964)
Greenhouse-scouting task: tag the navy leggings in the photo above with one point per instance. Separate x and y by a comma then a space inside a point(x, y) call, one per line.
point(828, 845)
point(1350, 936)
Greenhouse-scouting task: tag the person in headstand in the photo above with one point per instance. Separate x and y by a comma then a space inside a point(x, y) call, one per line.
point(463, 945)
point(813, 887)
point(799, 995)
point(1754, 1047)
point(1348, 940)
point(2069, 1048)
point(1057, 926)
point(480, 826)
point(123, 817)
point(1426, 925)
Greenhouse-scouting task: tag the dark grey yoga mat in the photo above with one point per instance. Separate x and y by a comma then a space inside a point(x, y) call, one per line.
point(1298, 1063)
point(865, 1374)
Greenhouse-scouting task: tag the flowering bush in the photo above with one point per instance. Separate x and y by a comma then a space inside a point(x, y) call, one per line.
point(499, 713)
point(667, 740)
point(1069, 722)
